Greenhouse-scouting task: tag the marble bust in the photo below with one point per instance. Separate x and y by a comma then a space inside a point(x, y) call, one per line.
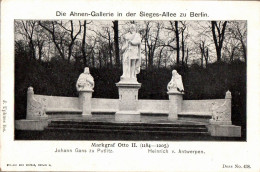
point(176, 83)
point(85, 81)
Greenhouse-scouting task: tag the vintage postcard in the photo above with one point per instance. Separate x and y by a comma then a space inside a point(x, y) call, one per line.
point(130, 85)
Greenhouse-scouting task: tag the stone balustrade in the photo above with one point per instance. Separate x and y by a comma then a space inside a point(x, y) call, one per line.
point(219, 110)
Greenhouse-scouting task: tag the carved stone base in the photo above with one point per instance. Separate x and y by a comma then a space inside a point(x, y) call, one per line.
point(175, 104)
point(124, 80)
point(24, 124)
point(36, 106)
point(85, 102)
point(128, 101)
point(224, 130)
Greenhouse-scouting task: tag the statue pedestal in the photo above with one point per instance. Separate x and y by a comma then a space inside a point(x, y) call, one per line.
point(85, 102)
point(128, 101)
point(175, 104)
point(222, 114)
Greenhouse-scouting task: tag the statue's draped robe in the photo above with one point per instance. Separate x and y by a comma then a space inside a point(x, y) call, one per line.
point(176, 82)
point(85, 82)
point(179, 82)
point(131, 52)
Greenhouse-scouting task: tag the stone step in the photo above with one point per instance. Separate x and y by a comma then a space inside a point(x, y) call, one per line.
point(63, 110)
point(66, 122)
point(69, 128)
point(123, 131)
point(64, 116)
point(137, 128)
point(194, 117)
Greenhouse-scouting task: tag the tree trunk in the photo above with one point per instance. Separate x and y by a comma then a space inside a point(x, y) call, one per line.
point(207, 57)
point(100, 59)
point(84, 43)
point(52, 32)
point(218, 42)
point(146, 59)
point(187, 56)
point(201, 53)
point(232, 54)
point(70, 52)
point(182, 47)
point(110, 49)
point(93, 58)
point(32, 50)
point(177, 42)
point(150, 59)
point(159, 58)
point(201, 63)
point(40, 46)
point(244, 50)
point(116, 43)
point(72, 41)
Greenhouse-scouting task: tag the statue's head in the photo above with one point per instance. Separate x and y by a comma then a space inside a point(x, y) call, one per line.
point(174, 72)
point(132, 28)
point(86, 70)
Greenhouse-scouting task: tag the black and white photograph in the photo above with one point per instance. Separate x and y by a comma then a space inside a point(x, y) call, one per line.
point(130, 85)
point(130, 80)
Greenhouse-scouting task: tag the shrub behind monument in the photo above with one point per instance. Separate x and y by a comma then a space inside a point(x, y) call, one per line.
point(58, 78)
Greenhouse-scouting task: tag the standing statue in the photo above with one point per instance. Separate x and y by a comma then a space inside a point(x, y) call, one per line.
point(85, 81)
point(131, 53)
point(176, 82)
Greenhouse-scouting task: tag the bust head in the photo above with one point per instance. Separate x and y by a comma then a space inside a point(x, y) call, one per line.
point(174, 73)
point(132, 28)
point(86, 70)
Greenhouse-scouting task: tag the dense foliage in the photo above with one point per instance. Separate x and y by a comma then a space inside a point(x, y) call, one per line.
point(57, 77)
point(50, 55)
